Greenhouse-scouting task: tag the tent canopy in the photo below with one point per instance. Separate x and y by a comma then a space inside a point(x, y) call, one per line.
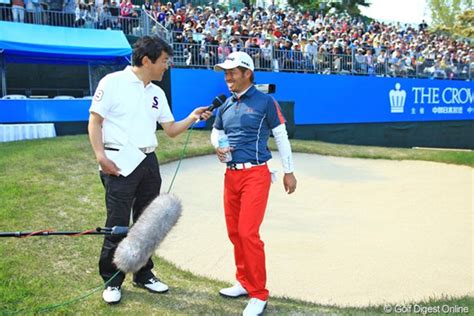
point(30, 43)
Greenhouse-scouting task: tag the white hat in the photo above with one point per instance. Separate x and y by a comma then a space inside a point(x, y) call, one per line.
point(234, 60)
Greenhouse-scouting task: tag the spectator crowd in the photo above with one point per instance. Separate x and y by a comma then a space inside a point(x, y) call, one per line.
point(279, 39)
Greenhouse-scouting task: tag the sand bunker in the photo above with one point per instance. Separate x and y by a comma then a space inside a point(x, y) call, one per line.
point(356, 231)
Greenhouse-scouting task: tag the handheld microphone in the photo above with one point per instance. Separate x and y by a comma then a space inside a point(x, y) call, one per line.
point(147, 233)
point(217, 102)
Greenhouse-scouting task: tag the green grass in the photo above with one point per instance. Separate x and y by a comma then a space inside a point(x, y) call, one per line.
point(54, 184)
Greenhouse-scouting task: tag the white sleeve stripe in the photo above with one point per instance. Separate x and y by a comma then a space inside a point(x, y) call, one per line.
point(258, 139)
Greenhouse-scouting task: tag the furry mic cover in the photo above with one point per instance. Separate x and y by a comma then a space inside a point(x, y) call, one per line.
point(147, 233)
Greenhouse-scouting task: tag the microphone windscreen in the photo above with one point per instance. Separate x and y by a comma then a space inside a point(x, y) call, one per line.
point(147, 233)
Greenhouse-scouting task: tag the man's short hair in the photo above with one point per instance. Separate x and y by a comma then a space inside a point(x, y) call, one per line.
point(151, 47)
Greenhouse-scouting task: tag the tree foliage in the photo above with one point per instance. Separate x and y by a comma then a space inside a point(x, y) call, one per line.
point(464, 24)
point(446, 12)
point(453, 17)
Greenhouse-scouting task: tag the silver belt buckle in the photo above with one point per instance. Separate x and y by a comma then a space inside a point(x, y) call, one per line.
point(147, 150)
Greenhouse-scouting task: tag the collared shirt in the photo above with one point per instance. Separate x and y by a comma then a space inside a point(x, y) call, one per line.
point(247, 121)
point(129, 109)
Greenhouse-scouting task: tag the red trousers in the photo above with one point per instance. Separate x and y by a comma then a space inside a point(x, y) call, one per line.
point(245, 199)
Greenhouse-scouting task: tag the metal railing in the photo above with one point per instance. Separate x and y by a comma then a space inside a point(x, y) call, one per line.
point(44, 93)
point(206, 56)
point(152, 26)
point(92, 19)
point(197, 55)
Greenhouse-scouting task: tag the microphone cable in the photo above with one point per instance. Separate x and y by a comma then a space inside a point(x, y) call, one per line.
point(183, 153)
point(86, 295)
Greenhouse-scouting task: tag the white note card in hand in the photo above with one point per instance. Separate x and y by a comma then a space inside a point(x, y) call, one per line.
point(128, 159)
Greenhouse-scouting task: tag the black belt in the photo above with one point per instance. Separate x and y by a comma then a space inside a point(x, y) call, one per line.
point(116, 149)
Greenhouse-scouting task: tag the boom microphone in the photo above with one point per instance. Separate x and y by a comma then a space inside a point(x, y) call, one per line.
point(147, 233)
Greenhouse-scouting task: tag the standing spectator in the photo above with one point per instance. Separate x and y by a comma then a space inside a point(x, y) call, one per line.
point(162, 16)
point(55, 9)
point(360, 62)
point(370, 60)
point(147, 6)
point(81, 14)
point(126, 14)
point(18, 10)
point(192, 49)
point(298, 58)
point(253, 50)
point(235, 45)
point(382, 62)
point(104, 18)
point(223, 51)
point(178, 26)
point(423, 26)
point(311, 53)
point(69, 12)
point(34, 6)
point(266, 57)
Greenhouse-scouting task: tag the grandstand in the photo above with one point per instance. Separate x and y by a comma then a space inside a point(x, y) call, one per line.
point(287, 45)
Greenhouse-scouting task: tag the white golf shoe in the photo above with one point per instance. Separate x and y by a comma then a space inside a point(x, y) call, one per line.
point(112, 294)
point(255, 307)
point(234, 291)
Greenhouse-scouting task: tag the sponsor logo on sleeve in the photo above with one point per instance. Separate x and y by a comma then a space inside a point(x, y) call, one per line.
point(98, 95)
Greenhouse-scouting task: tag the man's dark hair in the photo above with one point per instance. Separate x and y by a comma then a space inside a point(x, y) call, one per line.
point(150, 46)
point(243, 69)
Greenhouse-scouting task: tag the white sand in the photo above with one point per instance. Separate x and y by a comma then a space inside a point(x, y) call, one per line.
point(355, 232)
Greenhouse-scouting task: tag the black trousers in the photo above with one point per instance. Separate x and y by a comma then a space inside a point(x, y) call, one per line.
point(123, 194)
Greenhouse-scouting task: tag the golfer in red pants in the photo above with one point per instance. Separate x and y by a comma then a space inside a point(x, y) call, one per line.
point(246, 119)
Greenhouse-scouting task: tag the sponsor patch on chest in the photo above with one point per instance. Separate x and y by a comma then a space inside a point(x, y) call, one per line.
point(154, 105)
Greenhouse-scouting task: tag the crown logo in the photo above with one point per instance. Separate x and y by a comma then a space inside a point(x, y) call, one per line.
point(397, 99)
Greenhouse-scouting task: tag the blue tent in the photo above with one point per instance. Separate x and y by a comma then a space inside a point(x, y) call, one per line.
point(30, 43)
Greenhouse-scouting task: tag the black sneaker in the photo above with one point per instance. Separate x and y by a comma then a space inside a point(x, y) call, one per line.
point(153, 285)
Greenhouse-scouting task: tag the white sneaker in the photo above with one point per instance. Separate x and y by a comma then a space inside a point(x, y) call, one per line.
point(255, 307)
point(112, 294)
point(153, 285)
point(234, 291)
